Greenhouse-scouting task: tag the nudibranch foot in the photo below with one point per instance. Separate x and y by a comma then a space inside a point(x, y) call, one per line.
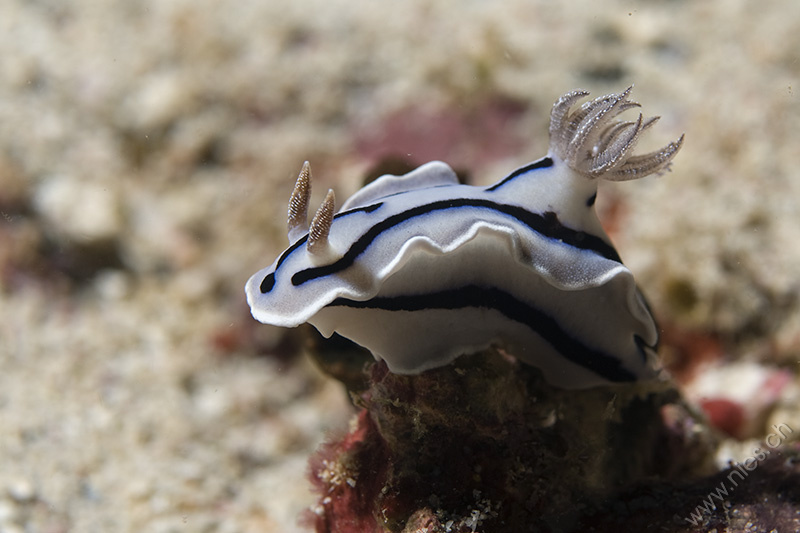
point(421, 269)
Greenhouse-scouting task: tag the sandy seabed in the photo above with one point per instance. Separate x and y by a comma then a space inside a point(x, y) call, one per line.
point(147, 151)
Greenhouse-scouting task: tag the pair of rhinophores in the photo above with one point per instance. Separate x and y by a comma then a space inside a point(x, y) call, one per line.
point(420, 269)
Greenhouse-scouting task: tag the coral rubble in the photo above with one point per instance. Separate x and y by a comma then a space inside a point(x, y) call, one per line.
point(487, 445)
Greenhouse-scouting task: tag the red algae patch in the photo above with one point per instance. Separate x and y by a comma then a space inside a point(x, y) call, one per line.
point(467, 137)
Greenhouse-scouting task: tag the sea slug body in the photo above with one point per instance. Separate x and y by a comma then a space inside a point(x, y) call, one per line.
point(421, 269)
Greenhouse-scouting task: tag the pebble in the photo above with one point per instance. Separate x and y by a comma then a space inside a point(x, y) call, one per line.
point(21, 490)
point(77, 209)
point(8, 512)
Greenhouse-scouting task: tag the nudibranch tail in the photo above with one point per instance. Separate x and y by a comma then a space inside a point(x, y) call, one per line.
point(321, 225)
point(298, 204)
point(596, 146)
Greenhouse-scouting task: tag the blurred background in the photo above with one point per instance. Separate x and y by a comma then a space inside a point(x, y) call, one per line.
point(147, 153)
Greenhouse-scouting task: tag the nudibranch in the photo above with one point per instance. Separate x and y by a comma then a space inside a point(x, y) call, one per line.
point(420, 269)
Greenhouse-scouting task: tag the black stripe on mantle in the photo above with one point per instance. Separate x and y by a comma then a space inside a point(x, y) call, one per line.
point(546, 224)
point(473, 296)
point(544, 162)
point(269, 280)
